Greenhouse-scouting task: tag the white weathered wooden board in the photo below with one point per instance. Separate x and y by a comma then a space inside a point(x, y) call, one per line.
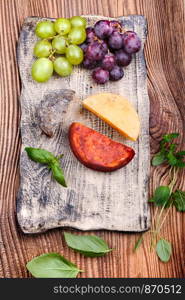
point(93, 200)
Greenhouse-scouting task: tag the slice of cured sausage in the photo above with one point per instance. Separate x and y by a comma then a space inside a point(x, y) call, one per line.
point(97, 151)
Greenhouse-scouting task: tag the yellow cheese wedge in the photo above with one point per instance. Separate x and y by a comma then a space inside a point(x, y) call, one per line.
point(117, 111)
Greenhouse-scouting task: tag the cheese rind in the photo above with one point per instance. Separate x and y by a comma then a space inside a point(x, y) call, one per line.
point(117, 111)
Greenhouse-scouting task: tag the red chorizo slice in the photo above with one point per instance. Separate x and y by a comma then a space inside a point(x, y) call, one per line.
point(97, 151)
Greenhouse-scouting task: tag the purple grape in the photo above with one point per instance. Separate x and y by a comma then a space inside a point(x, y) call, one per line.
point(103, 29)
point(123, 58)
point(90, 35)
point(89, 64)
point(115, 41)
point(96, 51)
point(100, 75)
point(116, 26)
point(116, 73)
point(108, 62)
point(84, 46)
point(131, 42)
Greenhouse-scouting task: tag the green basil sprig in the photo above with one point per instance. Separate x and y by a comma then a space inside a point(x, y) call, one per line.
point(167, 152)
point(88, 245)
point(166, 196)
point(52, 265)
point(45, 157)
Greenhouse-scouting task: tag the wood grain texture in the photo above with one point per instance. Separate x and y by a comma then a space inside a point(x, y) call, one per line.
point(92, 200)
point(164, 54)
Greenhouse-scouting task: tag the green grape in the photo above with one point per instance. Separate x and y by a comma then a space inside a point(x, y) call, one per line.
point(62, 66)
point(42, 48)
point(74, 54)
point(77, 35)
point(62, 26)
point(45, 29)
point(59, 44)
point(78, 22)
point(42, 69)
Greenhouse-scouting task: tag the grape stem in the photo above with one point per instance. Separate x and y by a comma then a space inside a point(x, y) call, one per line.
point(52, 57)
point(52, 37)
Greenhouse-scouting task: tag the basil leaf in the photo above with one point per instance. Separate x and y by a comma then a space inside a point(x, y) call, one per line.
point(88, 245)
point(173, 147)
point(180, 153)
point(161, 195)
point(58, 174)
point(138, 243)
point(172, 159)
point(164, 250)
point(169, 137)
point(180, 163)
point(45, 157)
point(163, 145)
point(179, 200)
point(40, 155)
point(158, 159)
point(52, 265)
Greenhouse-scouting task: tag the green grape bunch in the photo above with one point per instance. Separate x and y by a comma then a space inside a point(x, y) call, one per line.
point(58, 50)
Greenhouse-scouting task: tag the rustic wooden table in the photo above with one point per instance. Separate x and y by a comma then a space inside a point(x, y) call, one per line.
point(164, 53)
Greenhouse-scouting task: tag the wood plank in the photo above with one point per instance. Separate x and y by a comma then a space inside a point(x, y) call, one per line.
point(164, 55)
point(92, 200)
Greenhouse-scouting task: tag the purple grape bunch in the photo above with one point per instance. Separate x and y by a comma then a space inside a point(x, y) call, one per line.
point(107, 49)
